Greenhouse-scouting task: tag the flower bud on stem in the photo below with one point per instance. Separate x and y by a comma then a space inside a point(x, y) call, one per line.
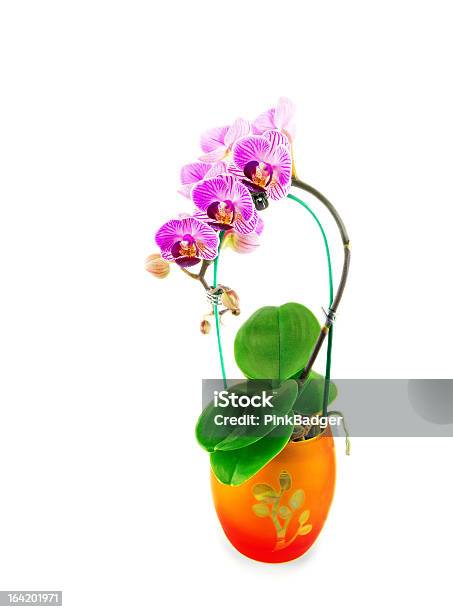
point(158, 267)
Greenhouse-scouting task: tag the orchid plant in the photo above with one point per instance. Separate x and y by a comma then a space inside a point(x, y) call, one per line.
point(242, 168)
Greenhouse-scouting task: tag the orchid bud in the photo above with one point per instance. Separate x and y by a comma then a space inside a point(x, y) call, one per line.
point(230, 299)
point(236, 312)
point(244, 243)
point(158, 267)
point(205, 327)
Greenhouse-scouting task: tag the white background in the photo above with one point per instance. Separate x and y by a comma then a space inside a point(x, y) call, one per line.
point(104, 492)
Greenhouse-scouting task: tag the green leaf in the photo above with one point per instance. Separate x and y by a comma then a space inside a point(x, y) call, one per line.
point(284, 512)
point(305, 529)
point(311, 394)
point(209, 434)
point(285, 481)
point(264, 492)
point(276, 342)
point(243, 435)
point(261, 510)
point(237, 466)
point(297, 499)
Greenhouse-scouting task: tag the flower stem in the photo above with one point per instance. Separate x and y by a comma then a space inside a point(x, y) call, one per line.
point(200, 276)
point(216, 314)
point(301, 435)
point(326, 244)
point(325, 330)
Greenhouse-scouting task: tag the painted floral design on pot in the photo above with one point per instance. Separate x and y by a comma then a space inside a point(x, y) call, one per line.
point(270, 505)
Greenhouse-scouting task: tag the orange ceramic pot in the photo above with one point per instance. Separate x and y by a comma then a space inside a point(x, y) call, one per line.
point(278, 514)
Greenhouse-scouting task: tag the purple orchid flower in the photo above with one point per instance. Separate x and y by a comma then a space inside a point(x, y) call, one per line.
point(217, 143)
point(244, 243)
point(191, 174)
point(225, 204)
point(264, 163)
point(278, 118)
point(187, 241)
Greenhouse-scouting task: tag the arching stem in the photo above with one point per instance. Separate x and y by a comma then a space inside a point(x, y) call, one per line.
point(330, 316)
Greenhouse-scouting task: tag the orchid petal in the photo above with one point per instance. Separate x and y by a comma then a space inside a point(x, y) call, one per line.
point(192, 173)
point(278, 192)
point(167, 255)
point(259, 225)
point(239, 129)
point(283, 167)
point(208, 191)
point(220, 189)
point(246, 227)
point(201, 216)
point(277, 138)
point(290, 130)
point(206, 238)
point(250, 148)
point(186, 262)
point(215, 155)
point(213, 138)
point(264, 122)
point(284, 113)
point(185, 190)
point(235, 171)
point(243, 200)
point(219, 167)
point(283, 163)
point(207, 251)
point(168, 234)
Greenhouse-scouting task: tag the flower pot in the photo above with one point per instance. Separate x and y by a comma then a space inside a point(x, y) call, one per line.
point(277, 515)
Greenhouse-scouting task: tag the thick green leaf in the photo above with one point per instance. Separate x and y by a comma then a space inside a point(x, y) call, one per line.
point(276, 342)
point(311, 394)
point(230, 436)
point(237, 466)
point(243, 435)
point(209, 434)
